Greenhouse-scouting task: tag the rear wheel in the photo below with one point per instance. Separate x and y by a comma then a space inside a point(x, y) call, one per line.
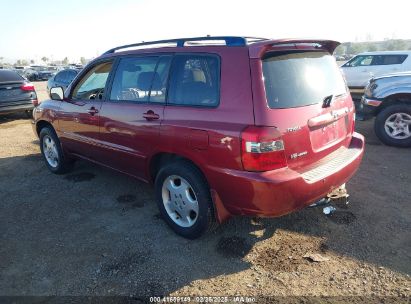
point(184, 200)
point(52, 152)
point(393, 125)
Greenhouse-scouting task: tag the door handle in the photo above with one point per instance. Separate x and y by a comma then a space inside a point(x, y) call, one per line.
point(92, 111)
point(150, 115)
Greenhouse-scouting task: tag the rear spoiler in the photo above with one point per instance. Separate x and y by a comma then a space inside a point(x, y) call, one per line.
point(258, 49)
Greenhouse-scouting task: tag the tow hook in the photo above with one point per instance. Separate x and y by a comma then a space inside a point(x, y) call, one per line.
point(338, 198)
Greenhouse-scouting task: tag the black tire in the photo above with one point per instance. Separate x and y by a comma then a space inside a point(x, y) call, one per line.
point(380, 123)
point(63, 164)
point(205, 220)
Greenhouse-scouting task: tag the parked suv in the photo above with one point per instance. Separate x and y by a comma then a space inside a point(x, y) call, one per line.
point(62, 79)
point(364, 66)
point(221, 125)
point(389, 99)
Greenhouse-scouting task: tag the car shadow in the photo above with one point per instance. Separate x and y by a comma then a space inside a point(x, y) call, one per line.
point(97, 232)
point(4, 118)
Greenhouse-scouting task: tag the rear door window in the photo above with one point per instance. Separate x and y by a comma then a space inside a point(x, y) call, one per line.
point(388, 59)
point(141, 79)
point(296, 79)
point(195, 80)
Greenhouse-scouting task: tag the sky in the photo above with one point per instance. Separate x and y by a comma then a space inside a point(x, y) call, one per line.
point(86, 28)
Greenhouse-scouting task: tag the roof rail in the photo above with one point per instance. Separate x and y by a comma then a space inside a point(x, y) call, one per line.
point(229, 41)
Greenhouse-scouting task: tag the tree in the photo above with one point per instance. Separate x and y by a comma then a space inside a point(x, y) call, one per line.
point(18, 62)
point(65, 61)
point(355, 48)
point(395, 45)
point(372, 47)
point(24, 62)
point(340, 50)
point(31, 61)
point(44, 59)
point(83, 60)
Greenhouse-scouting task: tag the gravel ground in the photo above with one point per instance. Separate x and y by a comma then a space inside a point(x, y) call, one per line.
point(98, 232)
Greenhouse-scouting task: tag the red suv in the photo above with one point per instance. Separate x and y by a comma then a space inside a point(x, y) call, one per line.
point(221, 125)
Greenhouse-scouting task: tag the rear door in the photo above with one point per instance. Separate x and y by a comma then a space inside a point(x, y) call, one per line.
point(307, 100)
point(132, 114)
point(386, 64)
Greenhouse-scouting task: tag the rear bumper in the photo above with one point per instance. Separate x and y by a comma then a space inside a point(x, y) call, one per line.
point(14, 108)
point(278, 192)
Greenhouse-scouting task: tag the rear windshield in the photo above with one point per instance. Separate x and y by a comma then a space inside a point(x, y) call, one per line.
point(299, 79)
point(6, 76)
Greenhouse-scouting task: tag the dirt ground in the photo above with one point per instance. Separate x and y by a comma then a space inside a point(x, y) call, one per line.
point(98, 232)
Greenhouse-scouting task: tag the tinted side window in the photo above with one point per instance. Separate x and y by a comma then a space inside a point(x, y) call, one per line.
point(141, 79)
point(92, 85)
point(388, 59)
point(195, 80)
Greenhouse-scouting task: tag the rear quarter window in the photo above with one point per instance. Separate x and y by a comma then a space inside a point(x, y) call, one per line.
point(296, 79)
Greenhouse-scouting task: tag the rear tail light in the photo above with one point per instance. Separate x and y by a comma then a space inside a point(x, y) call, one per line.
point(27, 87)
point(262, 149)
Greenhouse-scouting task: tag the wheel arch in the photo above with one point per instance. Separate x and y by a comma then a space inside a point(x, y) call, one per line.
point(393, 99)
point(42, 124)
point(160, 159)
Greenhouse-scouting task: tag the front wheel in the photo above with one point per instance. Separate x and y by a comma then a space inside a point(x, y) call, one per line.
point(393, 125)
point(184, 200)
point(52, 152)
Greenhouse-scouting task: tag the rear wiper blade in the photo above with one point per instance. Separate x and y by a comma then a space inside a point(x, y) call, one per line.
point(327, 101)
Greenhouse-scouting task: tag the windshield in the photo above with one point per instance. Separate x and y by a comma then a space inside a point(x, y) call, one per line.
point(296, 79)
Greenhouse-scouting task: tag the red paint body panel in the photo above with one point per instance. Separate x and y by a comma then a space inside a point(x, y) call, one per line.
point(127, 139)
point(278, 192)
point(120, 137)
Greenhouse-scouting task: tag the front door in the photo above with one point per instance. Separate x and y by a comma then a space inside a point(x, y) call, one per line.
point(79, 112)
point(131, 116)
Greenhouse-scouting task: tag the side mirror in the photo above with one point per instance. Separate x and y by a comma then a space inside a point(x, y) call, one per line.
point(57, 93)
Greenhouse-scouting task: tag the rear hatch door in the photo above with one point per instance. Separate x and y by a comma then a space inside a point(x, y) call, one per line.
point(303, 94)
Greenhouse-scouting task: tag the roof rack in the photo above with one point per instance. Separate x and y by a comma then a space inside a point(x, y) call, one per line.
point(229, 41)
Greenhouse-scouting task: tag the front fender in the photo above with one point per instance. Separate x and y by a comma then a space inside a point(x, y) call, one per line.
point(392, 90)
point(47, 111)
